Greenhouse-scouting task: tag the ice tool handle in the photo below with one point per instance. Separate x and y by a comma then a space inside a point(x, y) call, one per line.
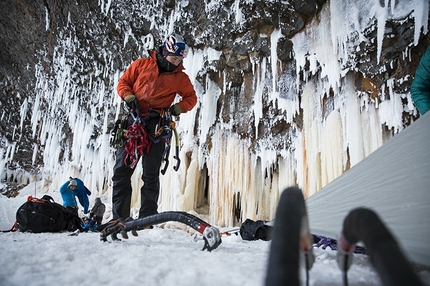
point(363, 224)
point(292, 243)
point(306, 244)
point(211, 234)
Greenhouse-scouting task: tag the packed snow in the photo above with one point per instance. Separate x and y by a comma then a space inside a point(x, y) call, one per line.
point(165, 255)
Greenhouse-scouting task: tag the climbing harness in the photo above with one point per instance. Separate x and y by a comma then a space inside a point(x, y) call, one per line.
point(137, 141)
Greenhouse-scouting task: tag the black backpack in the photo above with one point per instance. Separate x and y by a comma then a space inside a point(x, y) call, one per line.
point(45, 215)
point(254, 230)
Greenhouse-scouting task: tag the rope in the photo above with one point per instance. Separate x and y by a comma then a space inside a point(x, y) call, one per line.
point(43, 94)
point(137, 144)
point(138, 141)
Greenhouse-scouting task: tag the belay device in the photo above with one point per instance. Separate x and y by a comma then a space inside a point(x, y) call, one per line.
point(211, 235)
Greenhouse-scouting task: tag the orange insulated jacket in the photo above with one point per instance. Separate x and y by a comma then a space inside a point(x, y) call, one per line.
point(155, 90)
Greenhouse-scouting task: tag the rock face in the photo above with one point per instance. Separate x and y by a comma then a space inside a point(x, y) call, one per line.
point(58, 56)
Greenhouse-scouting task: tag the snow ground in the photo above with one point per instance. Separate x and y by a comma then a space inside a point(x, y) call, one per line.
point(165, 255)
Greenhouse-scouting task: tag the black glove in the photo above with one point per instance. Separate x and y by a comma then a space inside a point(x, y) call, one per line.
point(175, 109)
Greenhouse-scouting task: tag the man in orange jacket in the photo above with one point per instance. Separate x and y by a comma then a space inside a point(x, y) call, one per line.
point(154, 83)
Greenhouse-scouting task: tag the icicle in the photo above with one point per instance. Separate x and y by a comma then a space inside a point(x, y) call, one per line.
point(258, 95)
point(274, 38)
point(237, 12)
point(421, 15)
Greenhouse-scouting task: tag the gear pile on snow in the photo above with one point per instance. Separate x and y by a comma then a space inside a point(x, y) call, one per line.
point(45, 215)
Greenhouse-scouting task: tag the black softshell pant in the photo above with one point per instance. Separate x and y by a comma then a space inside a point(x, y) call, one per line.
point(151, 163)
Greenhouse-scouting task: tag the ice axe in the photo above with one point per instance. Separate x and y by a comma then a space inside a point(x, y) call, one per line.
point(176, 157)
point(167, 152)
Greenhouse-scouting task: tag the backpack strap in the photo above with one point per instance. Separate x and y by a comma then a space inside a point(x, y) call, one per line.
point(36, 200)
point(48, 198)
point(12, 229)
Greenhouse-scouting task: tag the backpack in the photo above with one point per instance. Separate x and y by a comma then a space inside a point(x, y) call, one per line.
point(254, 230)
point(45, 215)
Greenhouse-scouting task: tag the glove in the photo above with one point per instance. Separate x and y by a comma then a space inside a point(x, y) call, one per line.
point(175, 109)
point(129, 98)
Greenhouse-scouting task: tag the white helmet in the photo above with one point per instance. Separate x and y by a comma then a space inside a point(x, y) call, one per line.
point(175, 44)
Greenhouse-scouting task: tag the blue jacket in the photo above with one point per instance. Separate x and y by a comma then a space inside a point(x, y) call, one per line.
point(420, 88)
point(67, 195)
point(81, 192)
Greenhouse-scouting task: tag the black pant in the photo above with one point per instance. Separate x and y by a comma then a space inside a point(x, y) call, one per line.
point(121, 192)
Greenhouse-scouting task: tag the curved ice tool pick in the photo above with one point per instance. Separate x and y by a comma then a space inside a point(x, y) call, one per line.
point(211, 235)
point(170, 126)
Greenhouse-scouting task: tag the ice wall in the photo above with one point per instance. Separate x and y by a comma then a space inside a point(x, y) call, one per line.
point(341, 126)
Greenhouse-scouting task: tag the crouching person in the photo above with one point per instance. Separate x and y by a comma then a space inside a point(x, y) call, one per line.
point(87, 224)
point(96, 214)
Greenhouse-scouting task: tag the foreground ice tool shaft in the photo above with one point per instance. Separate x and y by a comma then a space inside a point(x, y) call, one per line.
point(386, 256)
point(291, 236)
point(211, 235)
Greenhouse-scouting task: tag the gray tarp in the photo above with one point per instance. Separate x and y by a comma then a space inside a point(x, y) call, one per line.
point(393, 181)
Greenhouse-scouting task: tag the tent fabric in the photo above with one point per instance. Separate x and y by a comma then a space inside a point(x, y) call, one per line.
point(393, 181)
